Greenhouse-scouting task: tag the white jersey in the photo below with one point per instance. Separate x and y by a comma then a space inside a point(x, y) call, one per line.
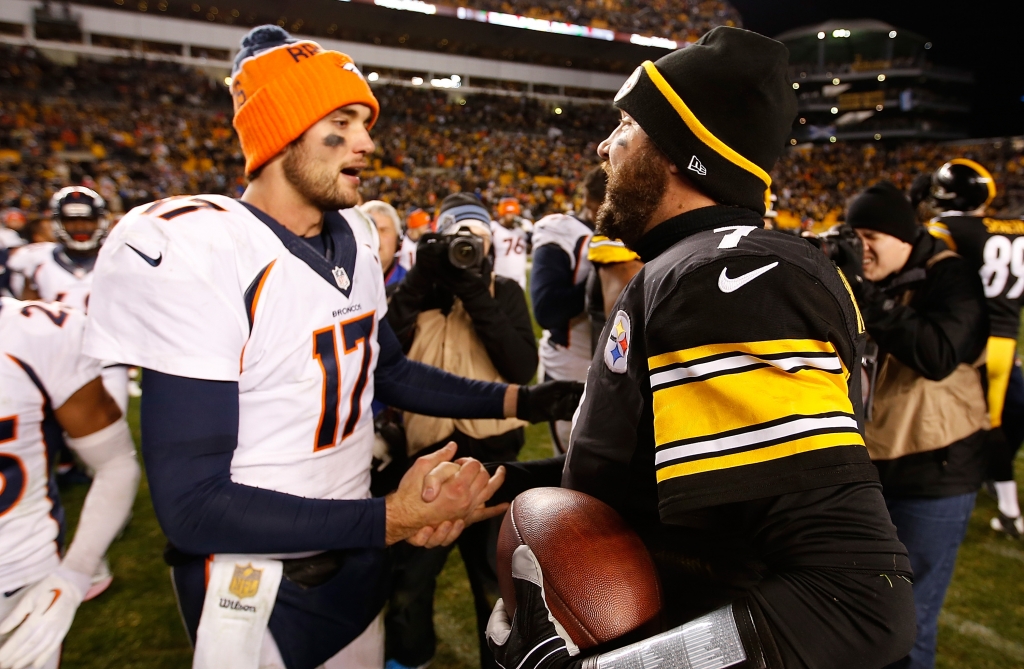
point(510, 252)
point(55, 276)
point(208, 288)
point(9, 238)
point(41, 366)
point(568, 362)
point(407, 253)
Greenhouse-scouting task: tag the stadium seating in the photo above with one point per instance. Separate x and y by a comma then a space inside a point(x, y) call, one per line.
point(142, 130)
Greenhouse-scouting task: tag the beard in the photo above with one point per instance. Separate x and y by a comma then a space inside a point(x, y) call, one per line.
point(314, 181)
point(633, 194)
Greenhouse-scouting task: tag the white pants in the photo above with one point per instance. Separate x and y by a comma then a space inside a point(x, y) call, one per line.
point(366, 651)
point(7, 605)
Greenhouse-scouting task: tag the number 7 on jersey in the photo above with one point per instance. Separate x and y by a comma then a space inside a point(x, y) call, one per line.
point(325, 351)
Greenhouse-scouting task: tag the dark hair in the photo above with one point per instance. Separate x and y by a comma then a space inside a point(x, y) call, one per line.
point(459, 199)
point(594, 183)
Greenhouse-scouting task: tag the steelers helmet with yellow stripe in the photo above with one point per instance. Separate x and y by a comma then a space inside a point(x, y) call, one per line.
point(720, 109)
point(962, 185)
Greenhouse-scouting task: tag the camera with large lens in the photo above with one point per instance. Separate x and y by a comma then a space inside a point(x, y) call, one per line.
point(465, 250)
point(839, 243)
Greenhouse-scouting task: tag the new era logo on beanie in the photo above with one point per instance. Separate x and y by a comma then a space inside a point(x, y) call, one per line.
point(721, 109)
point(281, 86)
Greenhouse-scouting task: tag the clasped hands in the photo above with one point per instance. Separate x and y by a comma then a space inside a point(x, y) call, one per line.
point(438, 498)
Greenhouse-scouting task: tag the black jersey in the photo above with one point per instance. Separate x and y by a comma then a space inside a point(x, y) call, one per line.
point(727, 371)
point(995, 248)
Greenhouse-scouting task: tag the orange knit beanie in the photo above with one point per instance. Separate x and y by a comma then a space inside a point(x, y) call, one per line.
point(282, 86)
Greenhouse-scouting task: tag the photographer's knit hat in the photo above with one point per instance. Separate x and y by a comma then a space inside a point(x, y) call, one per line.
point(281, 86)
point(460, 209)
point(884, 208)
point(720, 109)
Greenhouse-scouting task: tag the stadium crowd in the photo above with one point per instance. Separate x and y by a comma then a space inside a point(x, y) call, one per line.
point(815, 182)
point(143, 130)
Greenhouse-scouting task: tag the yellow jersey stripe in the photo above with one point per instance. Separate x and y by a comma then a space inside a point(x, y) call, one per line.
point(939, 230)
point(999, 363)
point(605, 250)
point(757, 348)
point(786, 449)
point(698, 129)
point(860, 319)
point(744, 400)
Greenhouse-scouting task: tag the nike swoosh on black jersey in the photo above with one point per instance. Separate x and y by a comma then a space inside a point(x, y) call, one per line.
point(152, 261)
point(727, 285)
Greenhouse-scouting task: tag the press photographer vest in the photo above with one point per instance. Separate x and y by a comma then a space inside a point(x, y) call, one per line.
point(911, 414)
point(451, 343)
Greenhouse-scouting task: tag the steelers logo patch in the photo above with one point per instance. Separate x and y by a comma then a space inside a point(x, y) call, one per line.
point(616, 348)
point(629, 84)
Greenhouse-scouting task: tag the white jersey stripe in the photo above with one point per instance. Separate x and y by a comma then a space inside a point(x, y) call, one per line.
point(741, 361)
point(790, 429)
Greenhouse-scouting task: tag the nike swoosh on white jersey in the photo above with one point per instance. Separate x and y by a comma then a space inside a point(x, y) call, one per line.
point(727, 285)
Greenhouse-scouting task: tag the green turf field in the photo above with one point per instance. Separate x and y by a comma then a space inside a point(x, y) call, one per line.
point(135, 624)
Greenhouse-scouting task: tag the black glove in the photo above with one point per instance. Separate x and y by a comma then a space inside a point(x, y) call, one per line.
point(523, 476)
point(471, 286)
point(530, 640)
point(551, 400)
point(850, 261)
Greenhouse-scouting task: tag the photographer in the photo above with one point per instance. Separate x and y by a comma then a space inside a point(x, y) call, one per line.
point(452, 311)
point(924, 308)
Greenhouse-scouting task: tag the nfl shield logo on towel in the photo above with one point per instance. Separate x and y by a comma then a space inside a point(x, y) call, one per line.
point(616, 349)
point(245, 581)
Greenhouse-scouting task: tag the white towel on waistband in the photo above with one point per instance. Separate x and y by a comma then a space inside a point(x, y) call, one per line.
point(240, 596)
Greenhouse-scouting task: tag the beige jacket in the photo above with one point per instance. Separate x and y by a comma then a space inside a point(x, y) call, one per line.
point(911, 414)
point(450, 343)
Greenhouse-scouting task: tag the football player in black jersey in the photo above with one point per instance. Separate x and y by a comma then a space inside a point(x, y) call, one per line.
point(962, 189)
point(722, 410)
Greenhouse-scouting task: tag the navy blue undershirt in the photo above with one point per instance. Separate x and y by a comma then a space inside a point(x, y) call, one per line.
point(556, 298)
point(190, 432)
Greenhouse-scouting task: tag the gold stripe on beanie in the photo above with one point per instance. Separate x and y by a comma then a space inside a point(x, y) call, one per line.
point(698, 129)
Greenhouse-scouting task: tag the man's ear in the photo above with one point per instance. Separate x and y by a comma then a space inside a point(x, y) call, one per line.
point(673, 168)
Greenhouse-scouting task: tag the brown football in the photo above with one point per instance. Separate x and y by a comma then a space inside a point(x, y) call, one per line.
point(599, 580)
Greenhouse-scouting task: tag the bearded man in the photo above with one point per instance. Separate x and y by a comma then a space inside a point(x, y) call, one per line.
point(721, 416)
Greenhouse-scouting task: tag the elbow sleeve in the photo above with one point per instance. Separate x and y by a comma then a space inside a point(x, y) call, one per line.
point(111, 453)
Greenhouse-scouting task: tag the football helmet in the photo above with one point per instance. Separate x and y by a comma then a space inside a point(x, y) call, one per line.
point(962, 185)
point(74, 204)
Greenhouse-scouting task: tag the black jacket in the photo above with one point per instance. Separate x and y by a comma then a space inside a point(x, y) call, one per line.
point(502, 322)
point(945, 324)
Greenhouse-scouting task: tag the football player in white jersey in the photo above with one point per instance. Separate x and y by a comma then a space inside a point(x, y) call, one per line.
point(61, 271)
point(511, 241)
point(50, 387)
point(259, 325)
point(417, 223)
point(9, 240)
point(558, 284)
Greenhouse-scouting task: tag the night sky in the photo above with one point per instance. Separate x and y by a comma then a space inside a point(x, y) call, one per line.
point(985, 37)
